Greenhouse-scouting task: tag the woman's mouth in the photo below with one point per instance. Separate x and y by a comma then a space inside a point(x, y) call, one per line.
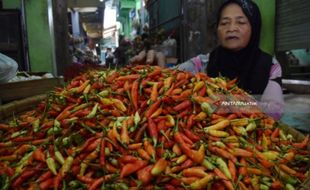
point(231, 38)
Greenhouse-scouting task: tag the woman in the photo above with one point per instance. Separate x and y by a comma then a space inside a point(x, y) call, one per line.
point(238, 56)
point(8, 68)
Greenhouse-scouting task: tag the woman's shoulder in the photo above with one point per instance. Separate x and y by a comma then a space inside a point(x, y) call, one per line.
point(195, 64)
point(276, 70)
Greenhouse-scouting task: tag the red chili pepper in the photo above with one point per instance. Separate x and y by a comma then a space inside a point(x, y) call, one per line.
point(232, 170)
point(65, 113)
point(187, 140)
point(124, 133)
point(152, 129)
point(132, 168)
point(191, 135)
point(27, 173)
point(182, 105)
point(96, 183)
point(48, 174)
point(152, 108)
point(129, 77)
point(196, 156)
point(139, 133)
point(302, 144)
point(39, 155)
point(194, 172)
point(143, 154)
point(46, 184)
point(128, 159)
point(169, 187)
point(85, 179)
point(135, 94)
point(22, 149)
point(134, 146)
point(159, 166)
point(102, 153)
point(202, 91)
point(243, 186)
point(190, 121)
point(154, 93)
point(22, 139)
point(145, 175)
point(223, 153)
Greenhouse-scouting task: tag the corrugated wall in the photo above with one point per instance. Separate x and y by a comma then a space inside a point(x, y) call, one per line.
point(165, 14)
point(293, 24)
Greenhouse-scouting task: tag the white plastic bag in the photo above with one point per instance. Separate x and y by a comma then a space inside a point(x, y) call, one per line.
point(8, 68)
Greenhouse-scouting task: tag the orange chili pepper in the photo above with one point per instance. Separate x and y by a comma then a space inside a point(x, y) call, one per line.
point(132, 167)
point(135, 94)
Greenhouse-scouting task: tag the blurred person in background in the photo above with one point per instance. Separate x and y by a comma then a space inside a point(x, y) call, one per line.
point(8, 68)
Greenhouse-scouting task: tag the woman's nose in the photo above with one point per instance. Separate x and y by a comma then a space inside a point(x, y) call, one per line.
point(232, 27)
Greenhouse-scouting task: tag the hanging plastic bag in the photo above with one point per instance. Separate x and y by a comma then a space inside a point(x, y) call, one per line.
point(8, 68)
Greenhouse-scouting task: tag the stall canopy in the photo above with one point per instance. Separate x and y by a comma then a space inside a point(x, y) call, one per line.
point(293, 25)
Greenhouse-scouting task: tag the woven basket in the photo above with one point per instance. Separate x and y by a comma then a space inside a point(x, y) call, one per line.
point(17, 107)
point(299, 137)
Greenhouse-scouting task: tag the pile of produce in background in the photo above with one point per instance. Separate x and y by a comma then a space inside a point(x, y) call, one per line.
point(145, 127)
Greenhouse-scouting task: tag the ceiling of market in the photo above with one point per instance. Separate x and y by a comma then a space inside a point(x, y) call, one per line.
point(91, 14)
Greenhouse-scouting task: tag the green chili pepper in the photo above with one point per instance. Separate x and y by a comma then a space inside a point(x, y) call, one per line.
point(66, 166)
point(88, 128)
point(53, 131)
point(51, 163)
point(5, 182)
point(223, 167)
point(104, 93)
point(251, 126)
point(22, 163)
point(206, 107)
point(59, 156)
point(206, 163)
point(289, 187)
point(18, 133)
point(122, 186)
point(263, 187)
point(66, 141)
point(282, 135)
point(93, 112)
point(36, 125)
point(137, 118)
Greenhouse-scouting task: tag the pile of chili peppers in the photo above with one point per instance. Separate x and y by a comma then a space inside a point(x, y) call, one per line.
point(146, 127)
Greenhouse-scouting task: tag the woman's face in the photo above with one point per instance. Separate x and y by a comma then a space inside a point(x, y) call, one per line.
point(234, 29)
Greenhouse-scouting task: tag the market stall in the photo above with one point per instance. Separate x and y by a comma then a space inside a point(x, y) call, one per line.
point(145, 127)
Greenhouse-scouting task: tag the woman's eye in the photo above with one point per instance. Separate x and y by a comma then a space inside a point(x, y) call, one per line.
point(242, 22)
point(223, 23)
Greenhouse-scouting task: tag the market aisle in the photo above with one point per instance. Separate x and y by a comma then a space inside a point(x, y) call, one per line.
point(297, 111)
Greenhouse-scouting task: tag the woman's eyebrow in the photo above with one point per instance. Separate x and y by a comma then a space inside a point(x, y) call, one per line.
point(240, 17)
point(225, 18)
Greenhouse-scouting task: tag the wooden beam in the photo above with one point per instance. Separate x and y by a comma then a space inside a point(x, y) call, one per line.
point(61, 35)
point(85, 3)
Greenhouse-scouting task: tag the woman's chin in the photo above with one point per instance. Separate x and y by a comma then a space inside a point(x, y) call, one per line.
point(233, 47)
